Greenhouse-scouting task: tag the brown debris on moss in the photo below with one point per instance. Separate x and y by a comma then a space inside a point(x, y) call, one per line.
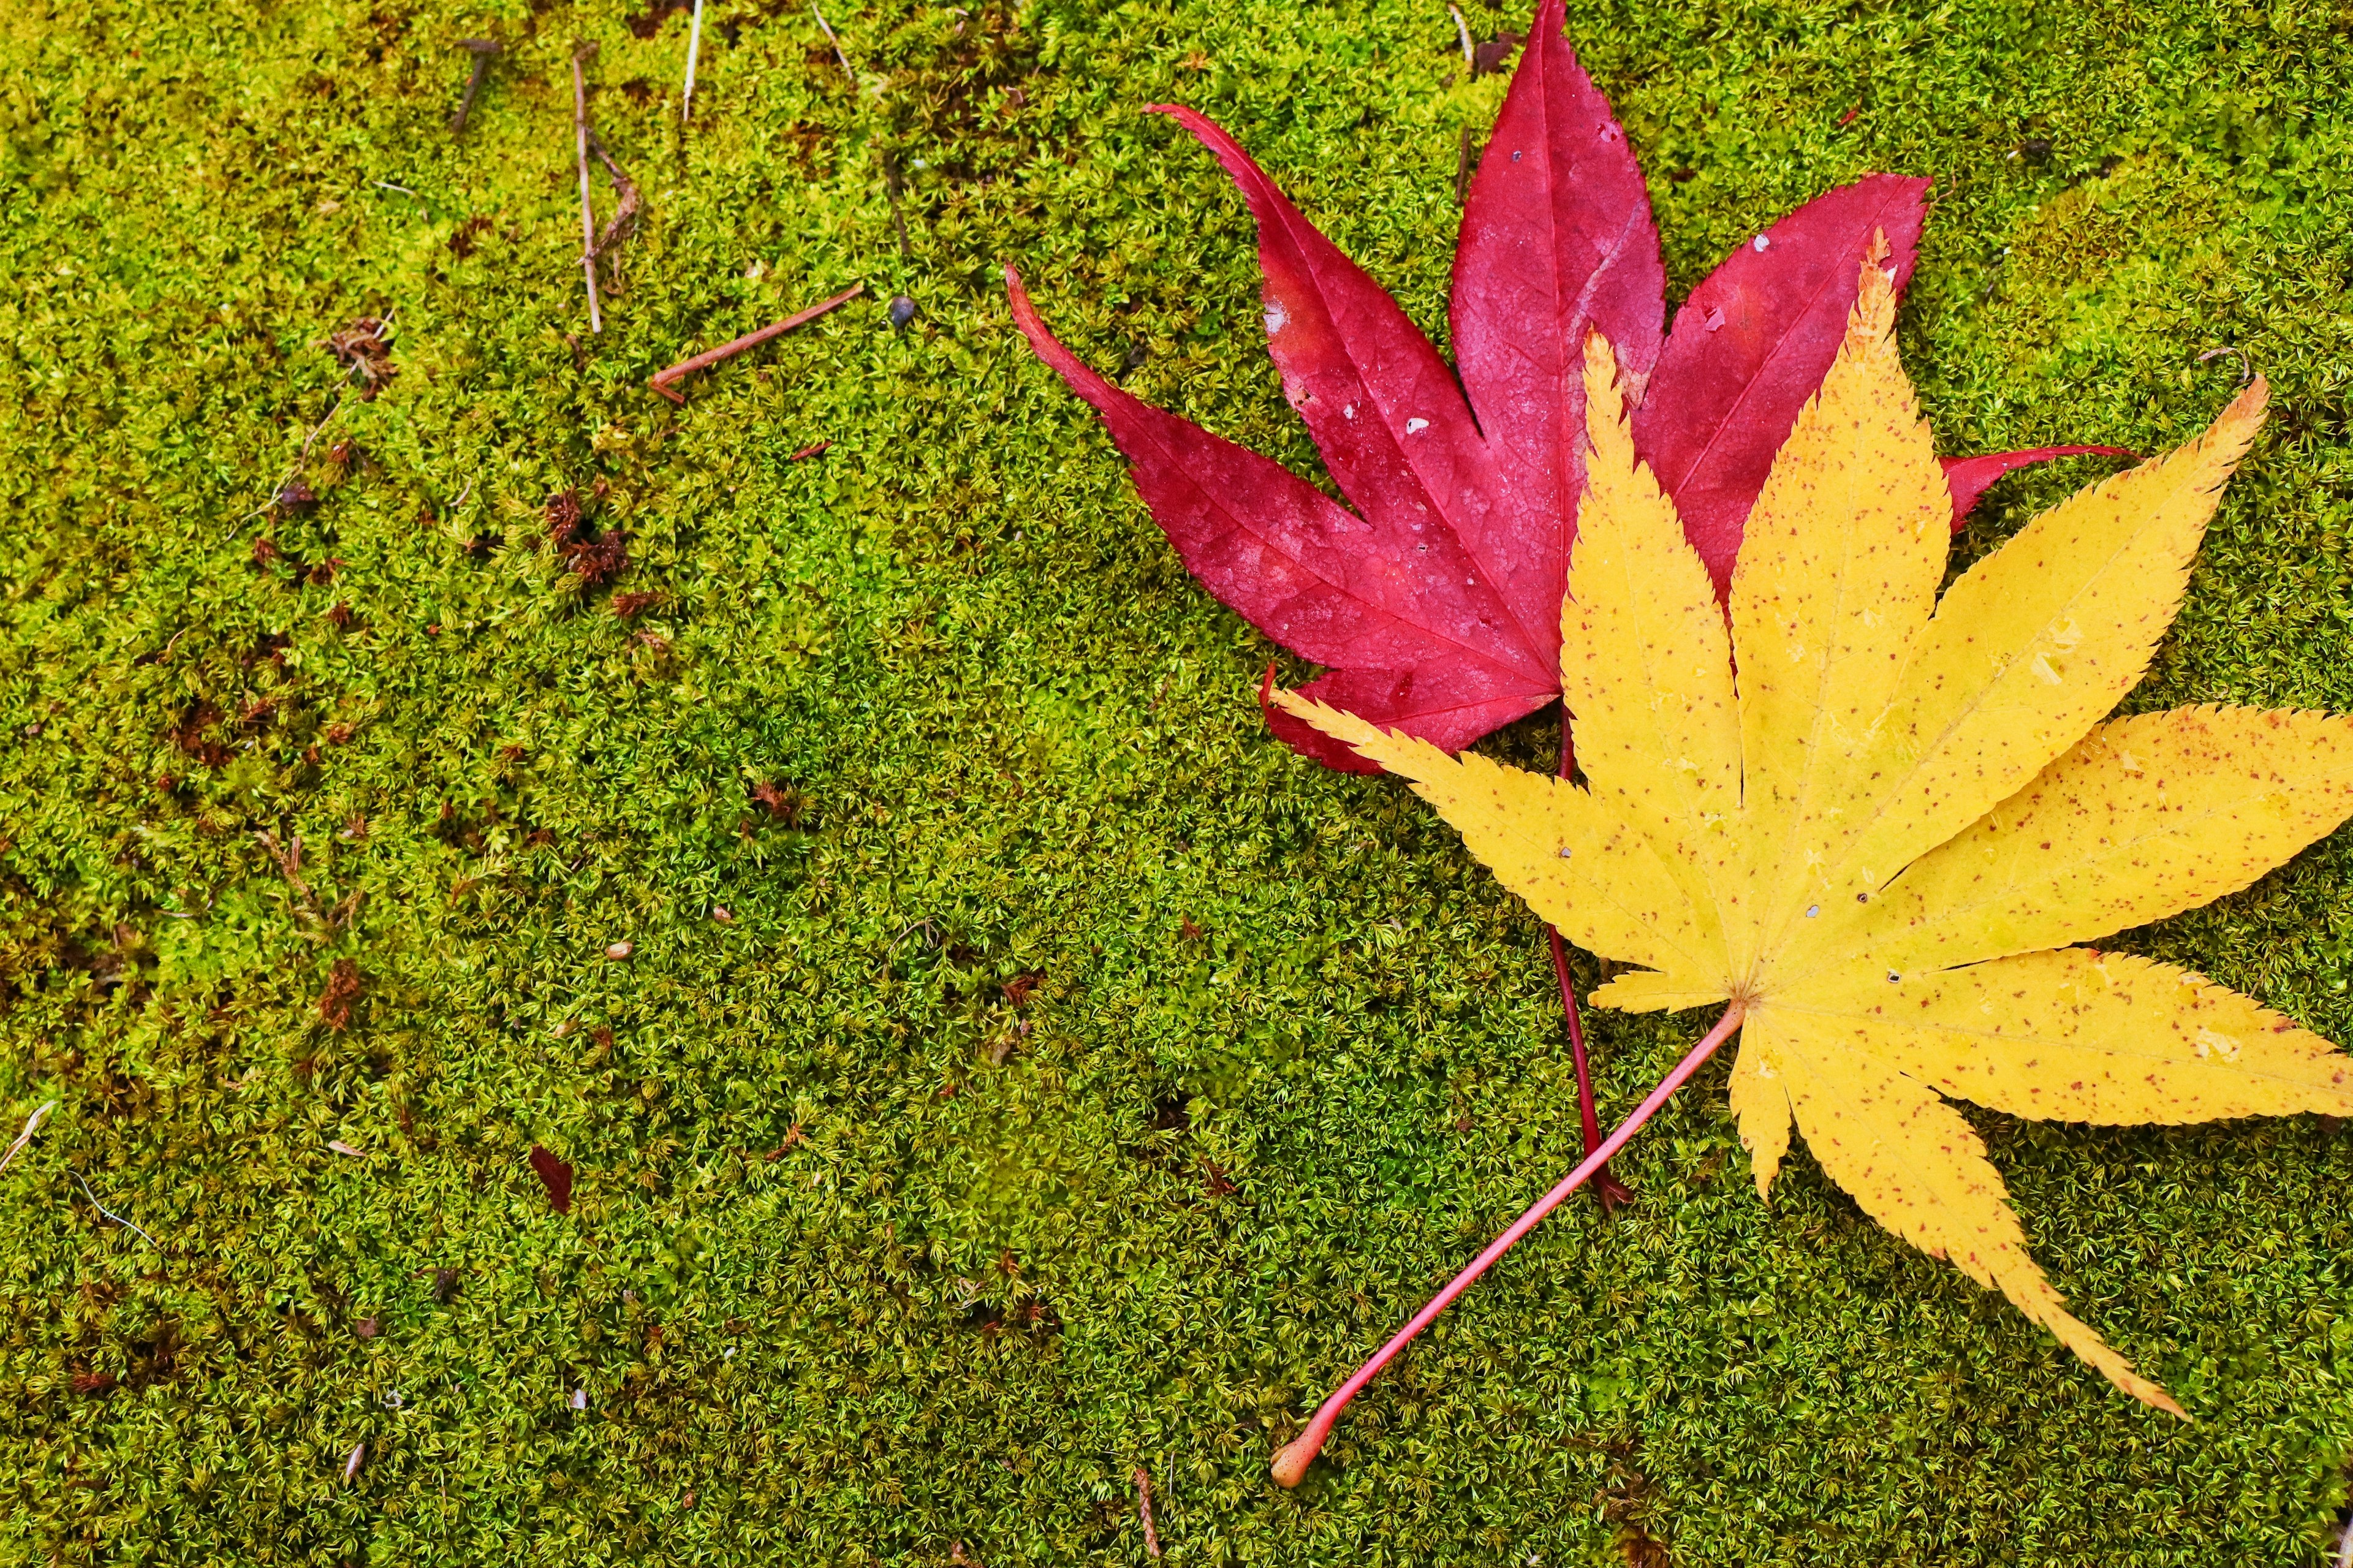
point(343, 993)
point(365, 350)
point(594, 556)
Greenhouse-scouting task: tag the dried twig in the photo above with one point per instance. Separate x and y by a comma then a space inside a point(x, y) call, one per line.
point(624, 210)
point(694, 49)
point(1463, 29)
point(581, 54)
point(834, 41)
point(289, 857)
point(1143, 1510)
point(108, 1212)
point(32, 1125)
point(482, 50)
point(666, 381)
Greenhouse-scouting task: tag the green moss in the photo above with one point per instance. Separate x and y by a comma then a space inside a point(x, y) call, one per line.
point(1291, 1055)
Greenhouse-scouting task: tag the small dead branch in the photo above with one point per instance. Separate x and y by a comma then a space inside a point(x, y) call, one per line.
point(365, 350)
point(616, 228)
point(482, 50)
point(666, 381)
point(289, 857)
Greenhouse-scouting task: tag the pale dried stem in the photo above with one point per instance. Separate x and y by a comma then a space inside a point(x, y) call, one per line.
point(32, 1125)
point(580, 54)
point(834, 41)
point(693, 51)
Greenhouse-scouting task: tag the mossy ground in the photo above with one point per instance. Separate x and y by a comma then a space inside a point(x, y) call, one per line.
point(1290, 1056)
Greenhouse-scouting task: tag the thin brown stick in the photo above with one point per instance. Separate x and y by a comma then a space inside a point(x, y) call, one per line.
point(1143, 1510)
point(625, 211)
point(581, 53)
point(666, 381)
point(289, 857)
point(1609, 1189)
point(482, 50)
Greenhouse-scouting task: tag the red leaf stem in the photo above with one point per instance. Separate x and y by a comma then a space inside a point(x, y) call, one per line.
point(1607, 1187)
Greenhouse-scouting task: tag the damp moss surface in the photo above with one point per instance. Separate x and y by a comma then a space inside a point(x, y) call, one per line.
point(989, 1063)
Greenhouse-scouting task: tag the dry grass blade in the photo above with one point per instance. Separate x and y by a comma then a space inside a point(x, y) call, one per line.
point(581, 54)
point(32, 1125)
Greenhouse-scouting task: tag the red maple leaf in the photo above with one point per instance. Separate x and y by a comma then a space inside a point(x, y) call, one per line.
point(1435, 606)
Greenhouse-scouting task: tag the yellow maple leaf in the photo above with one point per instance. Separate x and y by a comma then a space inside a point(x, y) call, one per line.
point(1871, 820)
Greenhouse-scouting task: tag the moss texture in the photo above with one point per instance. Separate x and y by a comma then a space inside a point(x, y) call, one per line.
point(1287, 1056)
